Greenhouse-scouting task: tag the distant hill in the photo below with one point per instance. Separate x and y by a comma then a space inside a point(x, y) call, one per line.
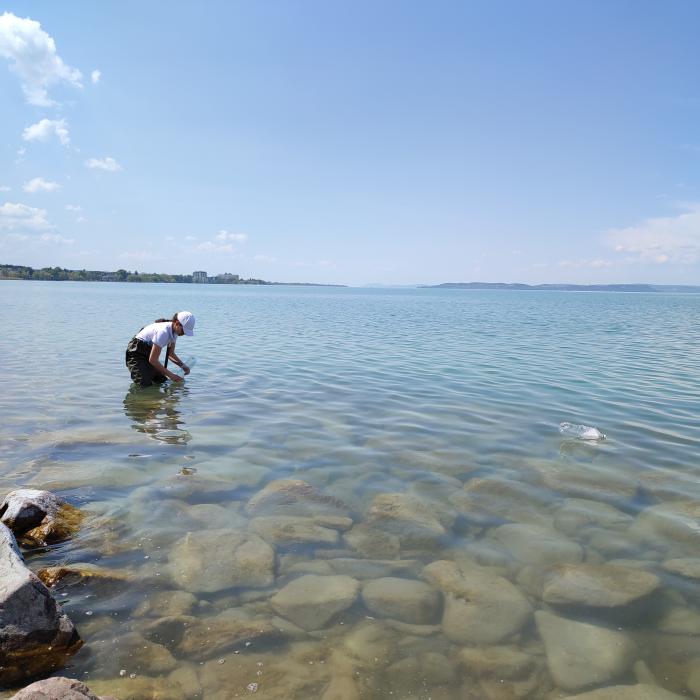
point(568, 287)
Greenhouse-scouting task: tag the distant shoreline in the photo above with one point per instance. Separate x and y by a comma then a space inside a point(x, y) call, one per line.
point(655, 288)
point(60, 274)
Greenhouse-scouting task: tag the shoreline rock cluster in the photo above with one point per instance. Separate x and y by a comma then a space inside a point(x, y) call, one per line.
point(36, 638)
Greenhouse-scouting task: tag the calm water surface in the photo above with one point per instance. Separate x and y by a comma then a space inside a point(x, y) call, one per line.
point(428, 419)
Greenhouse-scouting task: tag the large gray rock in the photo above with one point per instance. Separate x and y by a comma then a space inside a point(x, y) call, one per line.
point(627, 692)
point(312, 601)
point(35, 636)
point(603, 586)
point(580, 655)
point(214, 560)
point(58, 689)
point(402, 599)
point(480, 607)
point(532, 544)
point(39, 517)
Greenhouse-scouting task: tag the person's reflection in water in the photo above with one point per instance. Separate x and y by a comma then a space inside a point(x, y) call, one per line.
point(154, 411)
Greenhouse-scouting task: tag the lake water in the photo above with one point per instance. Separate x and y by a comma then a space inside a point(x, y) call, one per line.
point(425, 423)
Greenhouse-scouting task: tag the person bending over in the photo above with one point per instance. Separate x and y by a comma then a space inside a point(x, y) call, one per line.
point(144, 349)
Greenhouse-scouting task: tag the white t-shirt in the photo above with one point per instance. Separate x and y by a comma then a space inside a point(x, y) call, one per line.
point(160, 334)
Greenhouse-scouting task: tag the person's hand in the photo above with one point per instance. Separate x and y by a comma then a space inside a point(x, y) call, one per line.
point(185, 369)
point(177, 379)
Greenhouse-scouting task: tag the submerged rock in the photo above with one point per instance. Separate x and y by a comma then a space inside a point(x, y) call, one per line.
point(39, 517)
point(480, 607)
point(491, 500)
point(80, 573)
point(214, 560)
point(35, 636)
point(604, 586)
point(58, 689)
point(312, 601)
point(501, 662)
point(402, 599)
point(689, 567)
point(373, 543)
point(670, 523)
point(577, 514)
point(627, 692)
point(580, 654)
point(411, 519)
point(293, 497)
point(290, 529)
point(532, 544)
point(198, 639)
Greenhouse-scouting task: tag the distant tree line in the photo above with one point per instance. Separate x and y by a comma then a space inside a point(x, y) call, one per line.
point(22, 272)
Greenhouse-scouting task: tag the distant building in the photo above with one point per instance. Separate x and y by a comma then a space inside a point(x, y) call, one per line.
point(227, 278)
point(199, 277)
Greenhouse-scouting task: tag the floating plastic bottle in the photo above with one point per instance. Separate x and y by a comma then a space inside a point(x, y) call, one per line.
point(189, 361)
point(580, 432)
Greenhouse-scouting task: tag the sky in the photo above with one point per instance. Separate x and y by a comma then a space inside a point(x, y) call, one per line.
point(393, 142)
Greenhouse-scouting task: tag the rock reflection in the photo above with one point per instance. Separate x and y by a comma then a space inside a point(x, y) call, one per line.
point(155, 412)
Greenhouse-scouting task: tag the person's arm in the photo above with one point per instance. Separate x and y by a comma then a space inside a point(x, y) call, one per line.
point(179, 362)
point(154, 359)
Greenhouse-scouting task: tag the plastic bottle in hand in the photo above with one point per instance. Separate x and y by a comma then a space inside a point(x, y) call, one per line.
point(580, 432)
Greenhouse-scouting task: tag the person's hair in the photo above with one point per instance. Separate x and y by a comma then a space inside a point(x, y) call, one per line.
point(166, 320)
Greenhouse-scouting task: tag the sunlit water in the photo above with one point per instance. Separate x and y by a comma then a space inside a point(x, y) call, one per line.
point(450, 397)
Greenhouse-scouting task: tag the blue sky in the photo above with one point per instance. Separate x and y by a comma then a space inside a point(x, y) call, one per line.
point(354, 142)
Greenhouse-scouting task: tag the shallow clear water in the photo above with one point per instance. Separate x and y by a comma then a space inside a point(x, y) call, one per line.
point(450, 397)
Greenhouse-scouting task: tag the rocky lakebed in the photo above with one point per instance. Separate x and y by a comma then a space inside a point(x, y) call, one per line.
point(460, 586)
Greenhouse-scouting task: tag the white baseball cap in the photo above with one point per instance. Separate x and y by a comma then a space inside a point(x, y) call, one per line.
point(186, 318)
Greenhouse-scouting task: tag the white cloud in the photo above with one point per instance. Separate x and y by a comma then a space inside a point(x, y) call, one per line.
point(661, 240)
point(212, 247)
point(56, 238)
point(15, 216)
point(46, 128)
point(190, 238)
point(38, 184)
point(224, 235)
point(108, 164)
point(264, 258)
point(73, 207)
point(80, 220)
point(95, 76)
point(33, 58)
point(4, 188)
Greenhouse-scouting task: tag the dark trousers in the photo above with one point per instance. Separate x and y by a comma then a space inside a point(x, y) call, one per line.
point(142, 371)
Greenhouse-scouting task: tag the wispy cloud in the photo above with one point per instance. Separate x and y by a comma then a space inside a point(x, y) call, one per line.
point(215, 247)
point(18, 217)
point(4, 188)
point(225, 235)
point(95, 76)
point(46, 128)
point(138, 255)
point(33, 58)
point(73, 207)
point(670, 239)
point(38, 184)
point(590, 263)
point(56, 238)
point(108, 164)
